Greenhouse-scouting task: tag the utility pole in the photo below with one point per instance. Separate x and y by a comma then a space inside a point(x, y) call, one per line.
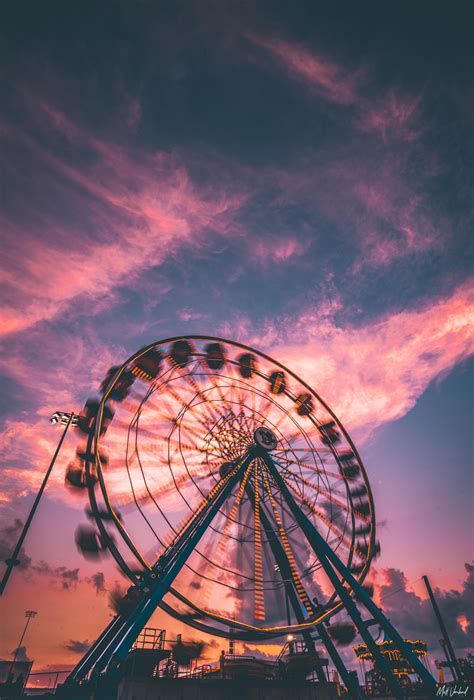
point(66, 419)
point(448, 648)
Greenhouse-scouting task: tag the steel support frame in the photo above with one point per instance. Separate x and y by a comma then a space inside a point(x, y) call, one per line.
point(83, 668)
point(285, 570)
point(332, 564)
point(114, 644)
point(348, 680)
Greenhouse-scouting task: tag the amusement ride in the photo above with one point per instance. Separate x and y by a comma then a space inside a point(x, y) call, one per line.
point(232, 497)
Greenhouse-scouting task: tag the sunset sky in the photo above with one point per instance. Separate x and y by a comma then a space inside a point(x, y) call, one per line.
point(290, 176)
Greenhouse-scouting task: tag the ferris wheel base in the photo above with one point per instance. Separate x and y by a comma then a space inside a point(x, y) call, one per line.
point(137, 688)
point(140, 688)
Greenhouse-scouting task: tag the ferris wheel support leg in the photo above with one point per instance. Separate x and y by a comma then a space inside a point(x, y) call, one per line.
point(145, 608)
point(285, 570)
point(97, 649)
point(348, 680)
point(328, 560)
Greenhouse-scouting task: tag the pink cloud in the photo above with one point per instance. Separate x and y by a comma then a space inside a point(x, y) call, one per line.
point(318, 73)
point(190, 315)
point(372, 374)
point(137, 211)
point(373, 201)
point(68, 370)
point(390, 201)
point(27, 448)
point(393, 116)
point(276, 249)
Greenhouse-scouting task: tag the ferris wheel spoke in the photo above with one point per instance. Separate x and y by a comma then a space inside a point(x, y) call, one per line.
point(142, 496)
point(231, 399)
point(213, 411)
point(240, 396)
point(294, 435)
point(137, 502)
point(244, 420)
point(303, 568)
point(253, 410)
point(276, 426)
point(148, 401)
point(318, 450)
point(206, 412)
point(214, 577)
point(200, 572)
point(125, 426)
point(250, 426)
point(189, 429)
point(312, 467)
point(217, 387)
point(189, 446)
point(265, 404)
point(187, 406)
point(325, 520)
point(326, 494)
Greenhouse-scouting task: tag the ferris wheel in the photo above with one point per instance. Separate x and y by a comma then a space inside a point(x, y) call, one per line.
point(228, 492)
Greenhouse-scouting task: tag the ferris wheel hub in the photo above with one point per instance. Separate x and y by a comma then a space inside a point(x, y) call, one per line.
point(265, 438)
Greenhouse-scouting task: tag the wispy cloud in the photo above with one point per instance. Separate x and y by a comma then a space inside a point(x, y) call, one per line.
point(381, 191)
point(137, 210)
point(190, 315)
point(388, 113)
point(316, 72)
point(68, 369)
point(277, 249)
point(374, 373)
point(393, 116)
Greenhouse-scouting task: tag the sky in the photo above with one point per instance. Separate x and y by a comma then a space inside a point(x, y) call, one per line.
point(288, 175)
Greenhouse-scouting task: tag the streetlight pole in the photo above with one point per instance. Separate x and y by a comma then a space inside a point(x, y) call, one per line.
point(29, 614)
point(66, 419)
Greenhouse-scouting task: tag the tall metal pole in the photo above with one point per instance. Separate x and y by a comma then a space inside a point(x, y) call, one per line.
point(13, 561)
point(449, 651)
point(30, 614)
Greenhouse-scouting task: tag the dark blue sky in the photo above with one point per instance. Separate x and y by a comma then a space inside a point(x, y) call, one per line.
point(291, 176)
